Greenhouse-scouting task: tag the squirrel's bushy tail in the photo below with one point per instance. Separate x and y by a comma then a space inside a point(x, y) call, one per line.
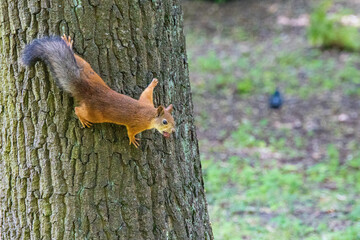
point(58, 56)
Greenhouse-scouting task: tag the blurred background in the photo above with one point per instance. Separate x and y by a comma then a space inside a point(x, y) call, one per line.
point(283, 165)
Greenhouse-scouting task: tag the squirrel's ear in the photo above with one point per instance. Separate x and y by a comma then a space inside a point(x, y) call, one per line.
point(169, 108)
point(160, 111)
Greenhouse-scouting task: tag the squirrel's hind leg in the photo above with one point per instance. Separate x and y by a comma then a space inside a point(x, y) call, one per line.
point(147, 95)
point(81, 114)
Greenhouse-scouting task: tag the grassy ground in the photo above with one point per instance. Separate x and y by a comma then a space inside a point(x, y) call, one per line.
point(288, 174)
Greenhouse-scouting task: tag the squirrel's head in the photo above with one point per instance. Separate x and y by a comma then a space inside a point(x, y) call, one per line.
point(164, 122)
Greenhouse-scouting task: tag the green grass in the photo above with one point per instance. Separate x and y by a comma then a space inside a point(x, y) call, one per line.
point(302, 72)
point(326, 31)
point(250, 198)
point(261, 179)
point(255, 199)
point(267, 201)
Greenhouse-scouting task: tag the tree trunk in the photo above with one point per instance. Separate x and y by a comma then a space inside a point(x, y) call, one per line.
point(59, 181)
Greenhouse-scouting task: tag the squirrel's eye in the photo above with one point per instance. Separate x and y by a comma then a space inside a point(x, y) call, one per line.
point(164, 122)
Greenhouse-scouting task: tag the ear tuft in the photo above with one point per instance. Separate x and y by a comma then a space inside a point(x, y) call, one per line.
point(169, 108)
point(160, 111)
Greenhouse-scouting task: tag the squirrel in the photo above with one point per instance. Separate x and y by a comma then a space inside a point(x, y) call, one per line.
point(97, 102)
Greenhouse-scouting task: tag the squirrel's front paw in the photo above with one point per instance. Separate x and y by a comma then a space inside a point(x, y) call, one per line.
point(135, 142)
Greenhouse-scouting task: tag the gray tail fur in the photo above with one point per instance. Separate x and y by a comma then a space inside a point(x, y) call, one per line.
point(60, 59)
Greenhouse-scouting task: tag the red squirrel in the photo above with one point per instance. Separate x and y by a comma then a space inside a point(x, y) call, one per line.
point(97, 102)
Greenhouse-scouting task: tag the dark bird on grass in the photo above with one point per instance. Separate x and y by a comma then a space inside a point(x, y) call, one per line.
point(276, 100)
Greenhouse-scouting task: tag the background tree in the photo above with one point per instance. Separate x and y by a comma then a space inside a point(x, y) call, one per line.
point(59, 181)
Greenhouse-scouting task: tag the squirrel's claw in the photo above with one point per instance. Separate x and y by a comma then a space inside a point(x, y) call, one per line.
point(88, 124)
point(85, 124)
point(67, 40)
point(82, 123)
point(134, 141)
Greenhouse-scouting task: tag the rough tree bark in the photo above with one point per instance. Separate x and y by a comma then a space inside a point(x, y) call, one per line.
point(59, 181)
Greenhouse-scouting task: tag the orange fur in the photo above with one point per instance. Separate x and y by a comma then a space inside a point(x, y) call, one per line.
point(98, 103)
